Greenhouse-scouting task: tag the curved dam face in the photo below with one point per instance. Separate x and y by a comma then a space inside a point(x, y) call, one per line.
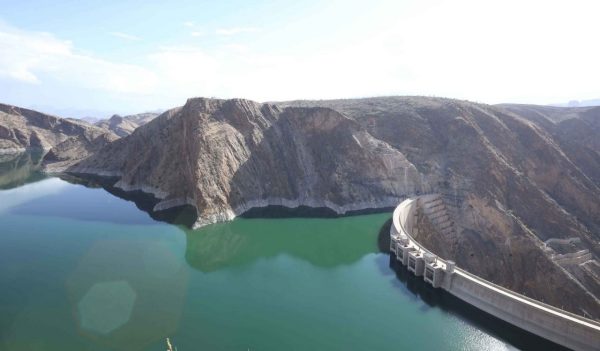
point(559, 326)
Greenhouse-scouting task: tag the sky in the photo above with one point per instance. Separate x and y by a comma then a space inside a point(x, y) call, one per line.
point(96, 58)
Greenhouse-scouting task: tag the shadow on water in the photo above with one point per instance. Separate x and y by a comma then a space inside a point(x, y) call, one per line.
point(275, 211)
point(186, 215)
point(181, 215)
point(438, 298)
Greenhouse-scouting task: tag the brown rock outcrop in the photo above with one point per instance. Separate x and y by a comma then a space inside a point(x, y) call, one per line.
point(227, 156)
point(22, 129)
point(521, 185)
point(512, 179)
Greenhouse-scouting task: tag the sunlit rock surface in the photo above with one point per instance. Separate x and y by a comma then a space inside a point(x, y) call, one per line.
point(22, 129)
point(226, 156)
point(521, 183)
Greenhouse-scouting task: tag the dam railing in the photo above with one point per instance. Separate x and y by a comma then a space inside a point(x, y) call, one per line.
point(552, 323)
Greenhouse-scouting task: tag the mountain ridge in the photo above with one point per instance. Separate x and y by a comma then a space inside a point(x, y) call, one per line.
point(125, 125)
point(22, 129)
point(520, 182)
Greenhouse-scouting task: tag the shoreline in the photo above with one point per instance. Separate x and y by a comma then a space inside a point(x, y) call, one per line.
point(249, 209)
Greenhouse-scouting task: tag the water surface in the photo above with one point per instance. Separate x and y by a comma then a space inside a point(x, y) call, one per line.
point(81, 269)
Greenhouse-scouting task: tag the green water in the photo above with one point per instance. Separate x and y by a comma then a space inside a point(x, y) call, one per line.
point(81, 269)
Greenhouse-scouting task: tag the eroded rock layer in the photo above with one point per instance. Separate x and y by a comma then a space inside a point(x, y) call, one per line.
point(519, 185)
point(22, 129)
point(227, 156)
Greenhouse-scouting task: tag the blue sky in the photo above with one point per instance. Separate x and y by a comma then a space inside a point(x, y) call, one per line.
point(78, 58)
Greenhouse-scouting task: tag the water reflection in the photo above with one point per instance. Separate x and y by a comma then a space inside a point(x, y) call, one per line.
point(322, 242)
point(240, 242)
point(181, 215)
point(15, 198)
point(82, 204)
point(19, 169)
point(253, 281)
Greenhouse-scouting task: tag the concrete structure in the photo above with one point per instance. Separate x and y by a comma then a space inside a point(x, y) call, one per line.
point(562, 327)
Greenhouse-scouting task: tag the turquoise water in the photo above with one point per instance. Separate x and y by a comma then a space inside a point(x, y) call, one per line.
point(81, 269)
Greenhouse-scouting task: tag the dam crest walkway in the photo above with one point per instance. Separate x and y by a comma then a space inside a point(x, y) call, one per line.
point(559, 326)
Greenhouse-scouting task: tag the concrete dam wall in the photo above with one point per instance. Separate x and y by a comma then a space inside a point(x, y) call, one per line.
point(562, 327)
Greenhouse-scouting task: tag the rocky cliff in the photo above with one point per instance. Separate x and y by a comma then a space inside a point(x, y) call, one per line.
point(519, 185)
point(227, 156)
point(22, 129)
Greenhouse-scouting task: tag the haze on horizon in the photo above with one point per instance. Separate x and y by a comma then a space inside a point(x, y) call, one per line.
point(100, 57)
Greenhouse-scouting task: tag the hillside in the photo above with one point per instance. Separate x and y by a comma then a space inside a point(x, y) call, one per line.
point(22, 129)
point(226, 156)
point(523, 201)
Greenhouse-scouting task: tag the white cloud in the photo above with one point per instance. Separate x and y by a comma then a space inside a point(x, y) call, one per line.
point(124, 36)
point(236, 30)
point(241, 48)
point(189, 24)
point(507, 51)
point(197, 34)
point(19, 54)
point(26, 56)
point(185, 71)
point(521, 51)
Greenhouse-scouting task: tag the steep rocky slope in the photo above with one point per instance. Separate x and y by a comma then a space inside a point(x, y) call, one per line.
point(520, 191)
point(577, 130)
point(22, 129)
point(226, 156)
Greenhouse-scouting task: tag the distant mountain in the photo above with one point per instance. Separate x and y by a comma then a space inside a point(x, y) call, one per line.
point(123, 126)
point(90, 120)
point(142, 118)
point(77, 113)
point(118, 125)
point(579, 103)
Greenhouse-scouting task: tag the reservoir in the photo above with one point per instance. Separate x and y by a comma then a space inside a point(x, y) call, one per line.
point(83, 269)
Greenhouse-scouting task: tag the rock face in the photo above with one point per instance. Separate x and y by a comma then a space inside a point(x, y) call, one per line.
point(22, 129)
point(123, 126)
point(519, 185)
point(227, 156)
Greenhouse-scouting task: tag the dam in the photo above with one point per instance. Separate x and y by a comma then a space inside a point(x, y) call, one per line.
point(559, 326)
